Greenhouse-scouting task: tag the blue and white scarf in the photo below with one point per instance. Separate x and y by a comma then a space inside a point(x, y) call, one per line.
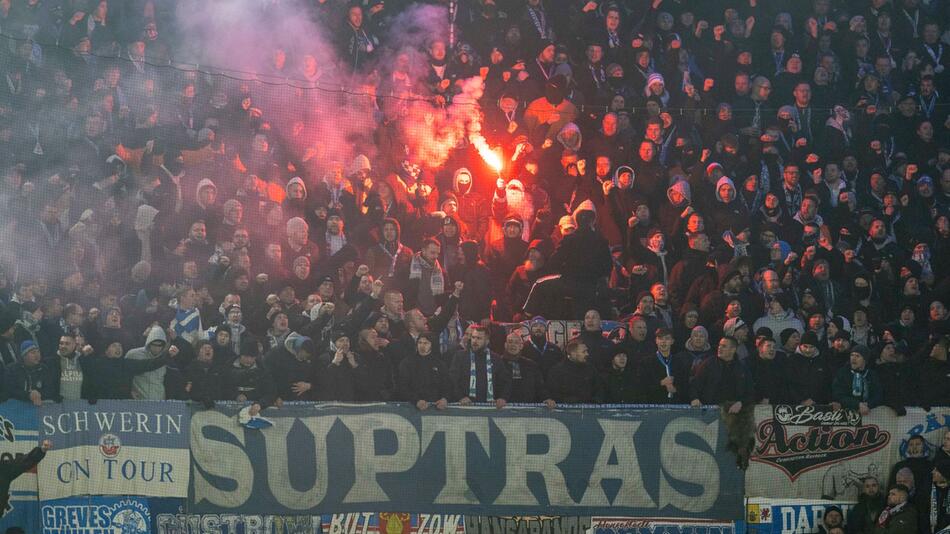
point(666, 363)
point(473, 380)
point(859, 384)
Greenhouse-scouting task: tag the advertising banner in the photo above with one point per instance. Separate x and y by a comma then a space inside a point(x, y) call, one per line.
point(816, 451)
point(789, 516)
point(17, 438)
point(115, 448)
point(96, 515)
point(169, 517)
point(659, 525)
point(475, 461)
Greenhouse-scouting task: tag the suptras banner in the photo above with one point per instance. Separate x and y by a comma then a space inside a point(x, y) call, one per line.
point(475, 461)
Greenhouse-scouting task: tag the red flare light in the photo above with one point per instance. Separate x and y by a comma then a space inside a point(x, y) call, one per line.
point(492, 159)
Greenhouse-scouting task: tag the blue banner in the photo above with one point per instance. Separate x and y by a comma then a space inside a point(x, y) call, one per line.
point(477, 461)
point(789, 516)
point(115, 448)
point(96, 515)
point(18, 436)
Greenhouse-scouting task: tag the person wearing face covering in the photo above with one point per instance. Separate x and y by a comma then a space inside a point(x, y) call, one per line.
point(547, 115)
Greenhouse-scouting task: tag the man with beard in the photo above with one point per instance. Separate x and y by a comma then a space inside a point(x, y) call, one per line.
point(539, 349)
point(863, 517)
point(479, 375)
point(527, 382)
point(524, 277)
point(899, 516)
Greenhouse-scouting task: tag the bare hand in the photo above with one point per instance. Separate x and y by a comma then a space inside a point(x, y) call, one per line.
point(422, 405)
point(465, 401)
point(550, 404)
point(441, 404)
point(500, 403)
point(864, 408)
point(736, 407)
point(46, 445)
point(696, 403)
point(299, 388)
point(362, 271)
point(377, 288)
point(173, 351)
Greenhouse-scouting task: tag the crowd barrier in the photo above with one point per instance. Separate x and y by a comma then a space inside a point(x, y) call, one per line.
point(171, 467)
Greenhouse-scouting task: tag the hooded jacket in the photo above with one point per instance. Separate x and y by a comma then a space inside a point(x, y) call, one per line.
point(473, 209)
point(724, 215)
point(295, 207)
point(570, 137)
point(621, 202)
point(286, 369)
point(669, 214)
point(149, 385)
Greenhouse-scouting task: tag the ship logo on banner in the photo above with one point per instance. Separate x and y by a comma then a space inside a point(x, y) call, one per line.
point(109, 445)
point(798, 439)
point(94, 515)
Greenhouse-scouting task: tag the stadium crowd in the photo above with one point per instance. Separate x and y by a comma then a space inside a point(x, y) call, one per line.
point(757, 193)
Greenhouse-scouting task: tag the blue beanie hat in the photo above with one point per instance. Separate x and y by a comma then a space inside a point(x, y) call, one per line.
point(27, 346)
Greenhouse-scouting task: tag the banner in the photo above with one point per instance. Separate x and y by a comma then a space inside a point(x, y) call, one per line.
point(169, 518)
point(816, 451)
point(393, 523)
point(17, 438)
point(658, 525)
point(559, 331)
point(789, 516)
point(115, 448)
point(536, 524)
point(96, 515)
point(659, 462)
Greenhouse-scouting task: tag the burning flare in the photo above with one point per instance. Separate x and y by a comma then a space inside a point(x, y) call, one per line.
point(492, 159)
